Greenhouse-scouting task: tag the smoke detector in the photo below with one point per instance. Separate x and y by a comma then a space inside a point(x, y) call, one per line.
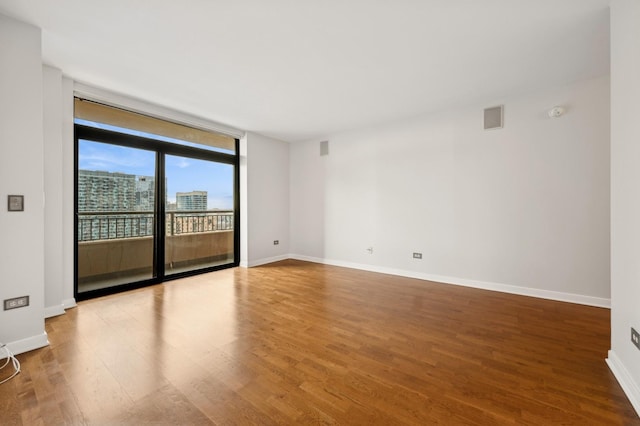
point(556, 112)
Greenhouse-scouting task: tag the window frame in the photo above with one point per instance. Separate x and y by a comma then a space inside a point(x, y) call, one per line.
point(161, 148)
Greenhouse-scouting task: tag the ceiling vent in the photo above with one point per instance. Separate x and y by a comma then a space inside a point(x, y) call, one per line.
point(493, 117)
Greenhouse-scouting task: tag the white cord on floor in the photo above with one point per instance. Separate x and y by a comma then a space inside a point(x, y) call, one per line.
point(14, 361)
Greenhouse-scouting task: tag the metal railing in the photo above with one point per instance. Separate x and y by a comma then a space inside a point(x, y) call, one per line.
point(93, 226)
point(188, 222)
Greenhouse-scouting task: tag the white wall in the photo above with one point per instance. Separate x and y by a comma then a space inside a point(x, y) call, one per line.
point(68, 195)
point(53, 189)
point(522, 209)
point(307, 192)
point(58, 188)
point(21, 172)
point(624, 358)
point(267, 200)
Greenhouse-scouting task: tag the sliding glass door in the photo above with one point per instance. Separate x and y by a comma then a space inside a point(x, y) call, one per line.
point(148, 210)
point(115, 215)
point(199, 214)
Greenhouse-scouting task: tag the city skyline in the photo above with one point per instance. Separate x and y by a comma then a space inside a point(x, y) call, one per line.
point(120, 205)
point(100, 191)
point(183, 174)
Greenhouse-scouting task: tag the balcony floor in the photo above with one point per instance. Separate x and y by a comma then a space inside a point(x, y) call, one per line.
point(116, 280)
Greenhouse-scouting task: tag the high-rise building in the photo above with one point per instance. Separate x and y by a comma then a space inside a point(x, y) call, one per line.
point(121, 205)
point(105, 191)
point(145, 193)
point(194, 200)
point(102, 192)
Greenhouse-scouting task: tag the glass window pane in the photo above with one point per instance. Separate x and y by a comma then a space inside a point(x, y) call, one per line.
point(199, 214)
point(116, 196)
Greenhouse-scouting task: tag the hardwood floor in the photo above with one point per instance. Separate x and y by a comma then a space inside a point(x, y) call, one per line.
point(302, 343)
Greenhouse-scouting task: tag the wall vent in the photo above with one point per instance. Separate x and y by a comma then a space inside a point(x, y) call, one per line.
point(324, 148)
point(494, 117)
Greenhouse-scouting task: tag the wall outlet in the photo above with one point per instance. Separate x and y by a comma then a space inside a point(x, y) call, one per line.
point(417, 255)
point(16, 302)
point(635, 337)
point(276, 242)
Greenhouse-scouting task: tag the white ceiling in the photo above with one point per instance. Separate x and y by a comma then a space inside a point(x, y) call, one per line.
point(301, 69)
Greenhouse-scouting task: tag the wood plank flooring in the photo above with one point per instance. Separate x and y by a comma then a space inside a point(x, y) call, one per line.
point(300, 343)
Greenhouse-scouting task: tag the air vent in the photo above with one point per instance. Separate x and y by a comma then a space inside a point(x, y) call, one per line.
point(493, 117)
point(324, 148)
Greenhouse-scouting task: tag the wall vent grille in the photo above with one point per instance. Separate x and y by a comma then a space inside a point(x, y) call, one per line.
point(324, 148)
point(494, 117)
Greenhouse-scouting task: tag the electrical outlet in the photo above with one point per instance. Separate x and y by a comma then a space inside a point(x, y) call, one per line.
point(16, 302)
point(417, 255)
point(276, 242)
point(635, 337)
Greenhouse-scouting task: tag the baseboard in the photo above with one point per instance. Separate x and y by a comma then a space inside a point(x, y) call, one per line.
point(264, 261)
point(69, 303)
point(28, 344)
point(307, 258)
point(53, 311)
point(484, 285)
point(628, 385)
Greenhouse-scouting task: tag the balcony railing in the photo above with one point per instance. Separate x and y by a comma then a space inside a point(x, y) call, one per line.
point(93, 226)
point(188, 222)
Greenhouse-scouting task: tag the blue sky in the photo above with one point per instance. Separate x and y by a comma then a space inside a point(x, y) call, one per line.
point(183, 174)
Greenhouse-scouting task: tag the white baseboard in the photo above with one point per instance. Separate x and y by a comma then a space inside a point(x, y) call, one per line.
point(53, 311)
point(504, 288)
point(629, 386)
point(264, 261)
point(307, 258)
point(69, 303)
point(28, 344)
